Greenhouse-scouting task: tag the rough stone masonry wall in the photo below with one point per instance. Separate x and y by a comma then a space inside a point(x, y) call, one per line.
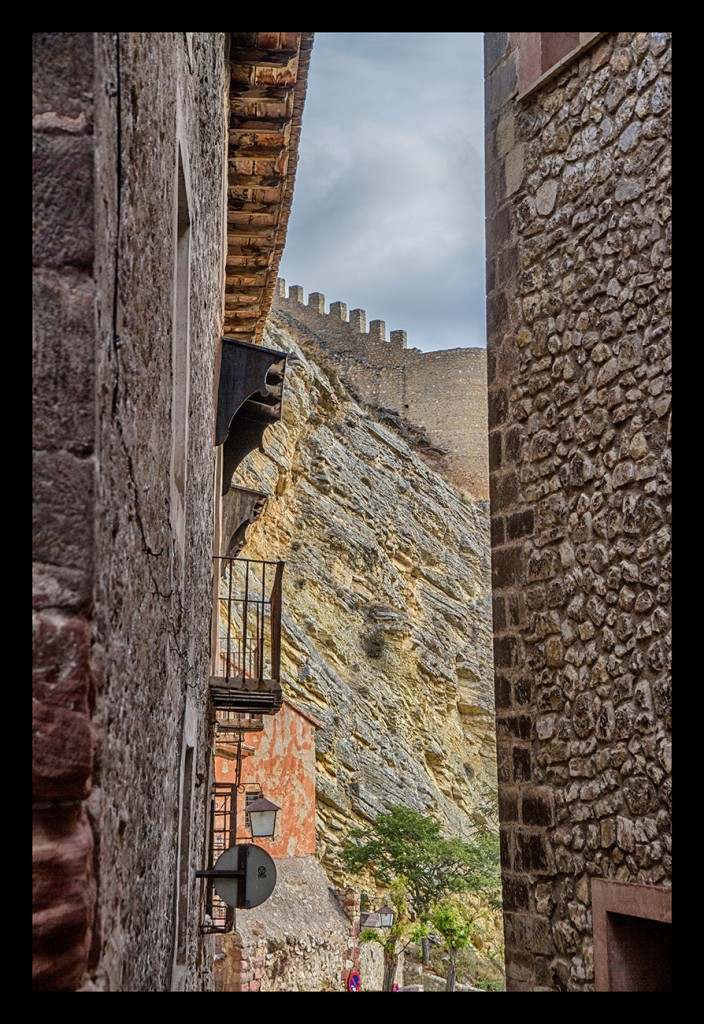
point(443, 391)
point(578, 239)
point(155, 594)
point(63, 441)
point(303, 938)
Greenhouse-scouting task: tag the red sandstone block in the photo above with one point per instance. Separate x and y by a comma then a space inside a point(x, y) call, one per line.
point(62, 758)
point(61, 673)
point(63, 898)
point(63, 692)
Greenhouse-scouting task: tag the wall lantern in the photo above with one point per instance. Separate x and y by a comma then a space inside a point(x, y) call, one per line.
point(386, 917)
point(262, 818)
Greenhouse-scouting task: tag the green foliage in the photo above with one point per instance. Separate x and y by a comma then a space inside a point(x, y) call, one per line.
point(448, 884)
point(399, 936)
point(455, 927)
point(404, 842)
point(490, 984)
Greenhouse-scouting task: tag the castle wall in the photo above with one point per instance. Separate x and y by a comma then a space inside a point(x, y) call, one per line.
point(578, 281)
point(444, 392)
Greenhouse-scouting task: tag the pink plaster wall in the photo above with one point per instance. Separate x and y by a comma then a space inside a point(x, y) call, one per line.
point(282, 759)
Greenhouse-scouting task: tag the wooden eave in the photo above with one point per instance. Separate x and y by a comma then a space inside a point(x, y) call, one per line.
point(268, 81)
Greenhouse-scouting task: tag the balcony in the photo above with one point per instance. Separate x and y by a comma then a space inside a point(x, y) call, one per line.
point(247, 664)
point(232, 723)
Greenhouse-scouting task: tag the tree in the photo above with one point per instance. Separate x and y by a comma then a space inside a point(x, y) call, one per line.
point(457, 933)
point(406, 843)
point(471, 925)
point(399, 936)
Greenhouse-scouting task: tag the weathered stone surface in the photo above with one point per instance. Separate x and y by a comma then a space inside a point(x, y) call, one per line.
point(62, 74)
point(581, 366)
point(64, 496)
point(63, 897)
point(62, 375)
point(62, 184)
point(299, 940)
point(386, 635)
point(131, 170)
point(63, 696)
point(153, 594)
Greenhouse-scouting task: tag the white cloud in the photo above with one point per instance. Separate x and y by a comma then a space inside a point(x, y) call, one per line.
point(388, 204)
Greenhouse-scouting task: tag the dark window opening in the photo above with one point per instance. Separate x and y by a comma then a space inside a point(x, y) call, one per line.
point(640, 954)
point(632, 937)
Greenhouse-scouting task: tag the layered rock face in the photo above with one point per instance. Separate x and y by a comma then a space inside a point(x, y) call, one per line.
point(387, 623)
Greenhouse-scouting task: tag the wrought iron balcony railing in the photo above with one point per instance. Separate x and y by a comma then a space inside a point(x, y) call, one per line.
point(247, 672)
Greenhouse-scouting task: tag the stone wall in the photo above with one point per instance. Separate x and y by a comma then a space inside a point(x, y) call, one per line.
point(578, 281)
point(154, 538)
point(304, 938)
point(123, 570)
point(443, 392)
point(64, 441)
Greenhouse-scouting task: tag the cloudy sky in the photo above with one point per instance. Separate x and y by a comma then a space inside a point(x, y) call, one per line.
point(388, 205)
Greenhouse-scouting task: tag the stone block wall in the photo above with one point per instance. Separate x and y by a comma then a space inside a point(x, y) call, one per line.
point(304, 938)
point(64, 500)
point(123, 585)
point(161, 282)
point(444, 392)
point(579, 289)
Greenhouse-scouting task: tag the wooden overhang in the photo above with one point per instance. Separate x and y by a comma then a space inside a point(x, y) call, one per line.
point(250, 396)
point(268, 81)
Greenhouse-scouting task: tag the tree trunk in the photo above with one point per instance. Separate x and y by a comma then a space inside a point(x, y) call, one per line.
point(451, 972)
point(425, 946)
point(390, 966)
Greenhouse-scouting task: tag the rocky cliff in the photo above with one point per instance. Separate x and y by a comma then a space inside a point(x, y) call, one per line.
point(387, 623)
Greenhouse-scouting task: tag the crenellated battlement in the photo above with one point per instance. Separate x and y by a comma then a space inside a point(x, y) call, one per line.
point(346, 329)
point(444, 391)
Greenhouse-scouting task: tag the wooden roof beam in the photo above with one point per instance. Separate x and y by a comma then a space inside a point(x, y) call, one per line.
point(257, 55)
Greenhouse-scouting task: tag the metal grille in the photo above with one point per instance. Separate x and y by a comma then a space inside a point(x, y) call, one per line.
point(219, 916)
point(248, 657)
